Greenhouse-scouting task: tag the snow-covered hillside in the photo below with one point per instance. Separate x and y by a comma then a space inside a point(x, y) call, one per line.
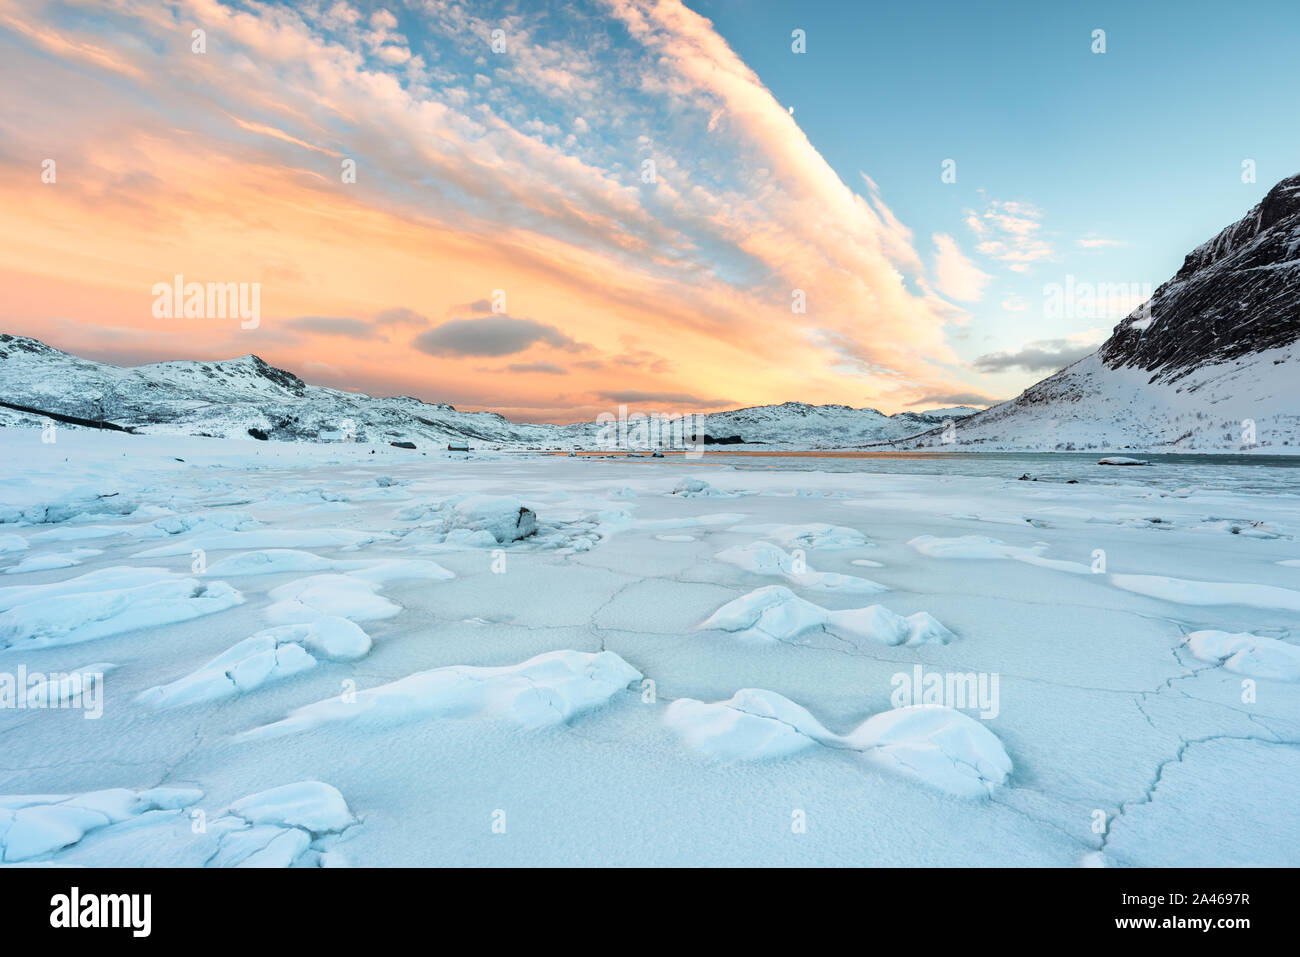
point(228, 398)
point(1211, 363)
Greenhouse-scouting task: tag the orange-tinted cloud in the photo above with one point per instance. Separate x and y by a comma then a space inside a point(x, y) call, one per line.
point(519, 176)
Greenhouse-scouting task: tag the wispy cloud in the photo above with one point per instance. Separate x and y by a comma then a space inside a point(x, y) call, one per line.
point(1010, 232)
point(1042, 355)
point(1093, 241)
point(628, 396)
point(955, 275)
point(491, 336)
point(523, 170)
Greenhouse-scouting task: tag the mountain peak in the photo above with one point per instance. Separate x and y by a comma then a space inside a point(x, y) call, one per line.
point(1237, 293)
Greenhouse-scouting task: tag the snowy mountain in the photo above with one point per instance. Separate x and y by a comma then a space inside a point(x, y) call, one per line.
point(796, 424)
point(1211, 363)
point(227, 399)
point(246, 397)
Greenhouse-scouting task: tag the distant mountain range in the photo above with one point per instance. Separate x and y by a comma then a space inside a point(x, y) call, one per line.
point(1211, 363)
point(247, 398)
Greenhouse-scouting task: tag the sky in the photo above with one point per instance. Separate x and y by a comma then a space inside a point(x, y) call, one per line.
point(551, 209)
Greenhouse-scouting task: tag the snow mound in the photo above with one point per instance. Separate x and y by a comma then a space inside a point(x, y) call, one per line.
point(810, 535)
point(274, 561)
point(546, 690)
point(311, 805)
point(12, 543)
point(209, 521)
point(774, 613)
point(967, 546)
point(294, 825)
point(270, 561)
point(267, 656)
point(941, 747)
point(1256, 655)
point(33, 825)
point(329, 596)
point(690, 487)
point(105, 602)
point(698, 488)
point(765, 558)
point(52, 560)
point(753, 725)
point(1184, 592)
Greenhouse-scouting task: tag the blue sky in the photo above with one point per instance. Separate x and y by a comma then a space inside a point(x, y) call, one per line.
point(1141, 145)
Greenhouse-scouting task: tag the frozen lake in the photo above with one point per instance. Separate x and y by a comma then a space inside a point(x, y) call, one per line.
point(1246, 473)
point(332, 654)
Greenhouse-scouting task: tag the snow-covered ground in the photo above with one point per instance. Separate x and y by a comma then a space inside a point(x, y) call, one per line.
point(322, 655)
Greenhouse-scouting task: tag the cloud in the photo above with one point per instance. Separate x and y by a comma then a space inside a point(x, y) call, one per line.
point(476, 171)
point(944, 399)
point(629, 396)
point(334, 326)
point(955, 275)
point(1043, 355)
point(479, 307)
point(849, 354)
point(400, 316)
point(1093, 241)
point(549, 368)
point(492, 336)
point(1010, 232)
